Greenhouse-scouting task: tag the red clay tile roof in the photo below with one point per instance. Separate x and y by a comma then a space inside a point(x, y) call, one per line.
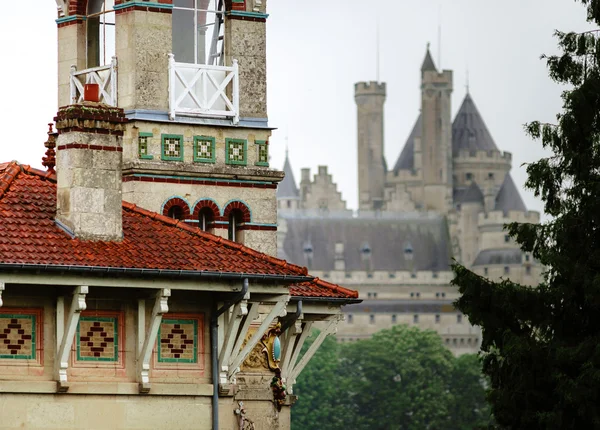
point(319, 288)
point(29, 235)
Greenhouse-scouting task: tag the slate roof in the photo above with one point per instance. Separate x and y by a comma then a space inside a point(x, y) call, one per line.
point(428, 63)
point(498, 256)
point(29, 236)
point(406, 160)
point(470, 194)
point(509, 198)
point(469, 131)
point(287, 188)
point(386, 238)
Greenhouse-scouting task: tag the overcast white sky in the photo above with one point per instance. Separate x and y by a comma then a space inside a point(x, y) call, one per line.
point(317, 50)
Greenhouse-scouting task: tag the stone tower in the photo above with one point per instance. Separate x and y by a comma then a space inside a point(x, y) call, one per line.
point(370, 97)
point(192, 83)
point(436, 140)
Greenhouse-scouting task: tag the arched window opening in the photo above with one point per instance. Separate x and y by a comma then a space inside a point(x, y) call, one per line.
point(198, 31)
point(206, 219)
point(100, 22)
point(235, 221)
point(175, 212)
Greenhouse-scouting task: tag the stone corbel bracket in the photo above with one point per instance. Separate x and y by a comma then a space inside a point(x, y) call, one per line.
point(78, 305)
point(290, 366)
point(161, 307)
point(239, 354)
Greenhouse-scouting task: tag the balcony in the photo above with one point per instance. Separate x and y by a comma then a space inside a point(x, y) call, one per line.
point(203, 90)
point(104, 76)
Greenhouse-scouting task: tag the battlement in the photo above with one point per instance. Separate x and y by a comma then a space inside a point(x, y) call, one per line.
point(483, 156)
point(435, 78)
point(499, 217)
point(371, 88)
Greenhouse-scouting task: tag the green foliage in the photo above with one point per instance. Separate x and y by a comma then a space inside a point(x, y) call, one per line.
point(541, 346)
point(402, 378)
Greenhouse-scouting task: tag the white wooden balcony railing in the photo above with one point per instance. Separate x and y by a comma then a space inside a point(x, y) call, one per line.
point(104, 76)
point(202, 90)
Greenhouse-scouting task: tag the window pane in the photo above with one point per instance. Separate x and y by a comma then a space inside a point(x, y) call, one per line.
point(183, 36)
point(209, 38)
point(183, 3)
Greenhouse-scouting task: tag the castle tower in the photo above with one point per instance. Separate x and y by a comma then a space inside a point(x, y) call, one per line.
point(191, 79)
point(370, 97)
point(436, 141)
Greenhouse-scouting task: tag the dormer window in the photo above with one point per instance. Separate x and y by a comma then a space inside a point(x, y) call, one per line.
point(408, 251)
point(198, 31)
point(307, 249)
point(100, 28)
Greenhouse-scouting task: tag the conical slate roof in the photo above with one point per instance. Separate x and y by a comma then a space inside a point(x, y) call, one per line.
point(469, 132)
point(508, 198)
point(470, 194)
point(406, 160)
point(287, 188)
point(428, 63)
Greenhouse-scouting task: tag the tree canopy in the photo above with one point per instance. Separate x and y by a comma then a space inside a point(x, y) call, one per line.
point(541, 345)
point(402, 378)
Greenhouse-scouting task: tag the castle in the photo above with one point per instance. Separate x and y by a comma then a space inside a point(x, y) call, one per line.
point(139, 286)
point(447, 196)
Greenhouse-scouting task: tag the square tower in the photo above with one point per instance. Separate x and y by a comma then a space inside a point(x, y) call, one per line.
point(190, 76)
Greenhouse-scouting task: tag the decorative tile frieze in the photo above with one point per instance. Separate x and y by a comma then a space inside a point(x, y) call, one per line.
point(180, 346)
point(178, 341)
point(262, 156)
point(172, 147)
point(236, 151)
point(18, 336)
point(204, 149)
point(98, 339)
point(143, 145)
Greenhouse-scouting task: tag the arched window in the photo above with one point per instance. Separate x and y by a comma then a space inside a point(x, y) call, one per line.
point(198, 31)
point(206, 212)
point(100, 22)
point(176, 208)
point(175, 212)
point(206, 219)
point(235, 221)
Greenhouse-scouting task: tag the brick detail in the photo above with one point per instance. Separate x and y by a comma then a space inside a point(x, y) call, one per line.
point(195, 181)
point(178, 341)
point(207, 204)
point(91, 118)
point(237, 205)
point(98, 339)
point(94, 147)
point(236, 5)
point(176, 201)
point(18, 336)
point(78, 7)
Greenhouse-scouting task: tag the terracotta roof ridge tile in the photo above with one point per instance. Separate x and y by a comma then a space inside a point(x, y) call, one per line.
point(335, 287)
point(9, 174)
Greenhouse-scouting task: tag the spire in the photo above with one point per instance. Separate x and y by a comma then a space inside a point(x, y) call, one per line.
point(428, 63)
point(469, 131)
point(287, 188)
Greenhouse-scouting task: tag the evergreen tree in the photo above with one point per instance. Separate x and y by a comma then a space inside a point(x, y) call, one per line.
point(541, 345)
